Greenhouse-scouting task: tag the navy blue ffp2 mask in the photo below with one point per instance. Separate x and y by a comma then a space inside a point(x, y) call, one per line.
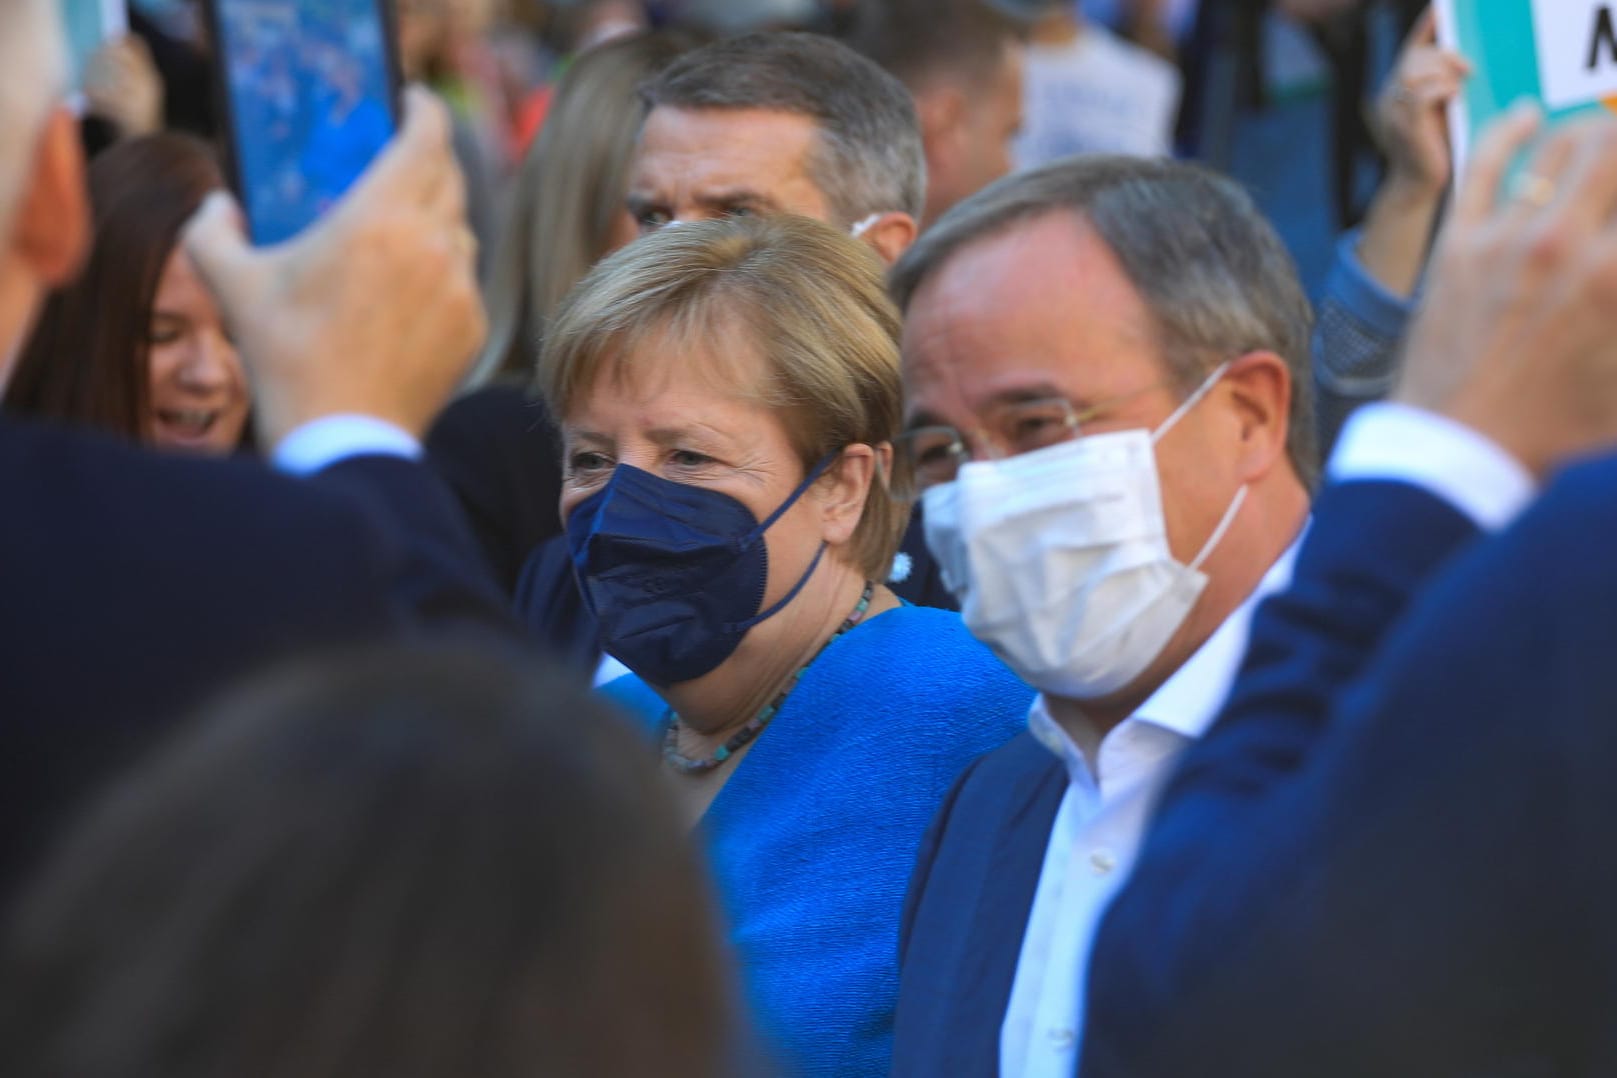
point(675, 574)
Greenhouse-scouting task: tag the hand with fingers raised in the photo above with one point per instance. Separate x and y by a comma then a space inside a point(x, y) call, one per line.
point(1411, 128)
point(1518, 335)
point(373, 310)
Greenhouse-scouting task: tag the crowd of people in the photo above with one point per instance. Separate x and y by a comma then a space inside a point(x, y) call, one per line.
point(809, 538)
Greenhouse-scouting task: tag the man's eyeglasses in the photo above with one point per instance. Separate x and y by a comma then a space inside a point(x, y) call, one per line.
point(927, 456)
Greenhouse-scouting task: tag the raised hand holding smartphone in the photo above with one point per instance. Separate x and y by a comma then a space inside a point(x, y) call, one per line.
point(310, 95)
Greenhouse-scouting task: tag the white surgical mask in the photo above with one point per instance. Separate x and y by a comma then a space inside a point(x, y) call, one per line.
point(1060, 558)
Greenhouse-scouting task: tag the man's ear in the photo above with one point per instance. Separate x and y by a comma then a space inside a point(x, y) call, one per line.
point(843, 491)
point(1260, 387)
point(891, 234)
point(52, 231)
point(941, 109)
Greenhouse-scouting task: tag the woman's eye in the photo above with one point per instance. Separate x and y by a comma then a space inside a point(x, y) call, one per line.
point(161, 335)
point(587, 463)
point(685, 458)
point(651, 220)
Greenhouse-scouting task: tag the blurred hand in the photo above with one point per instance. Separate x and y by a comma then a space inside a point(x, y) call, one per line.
point(1409, 119)
point(373, 310)
point(121, 84)
point(1518, 339)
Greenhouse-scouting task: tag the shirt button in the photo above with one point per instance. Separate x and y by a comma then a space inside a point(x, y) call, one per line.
point(1102, 861)
point(1062, 1039)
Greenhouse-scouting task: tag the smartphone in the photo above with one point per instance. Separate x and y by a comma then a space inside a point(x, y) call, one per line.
point(309, 94)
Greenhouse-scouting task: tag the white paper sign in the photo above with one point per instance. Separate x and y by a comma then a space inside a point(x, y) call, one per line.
point(1577, 50)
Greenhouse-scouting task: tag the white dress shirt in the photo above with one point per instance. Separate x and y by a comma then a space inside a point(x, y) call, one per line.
point(1103, 815)
point(1096, 833)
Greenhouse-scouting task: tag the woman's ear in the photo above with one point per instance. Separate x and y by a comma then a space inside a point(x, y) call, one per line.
point(843, 490)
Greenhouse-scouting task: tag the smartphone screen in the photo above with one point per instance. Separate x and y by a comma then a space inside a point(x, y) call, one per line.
point(311, 95)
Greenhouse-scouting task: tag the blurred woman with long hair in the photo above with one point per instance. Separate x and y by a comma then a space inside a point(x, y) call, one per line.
point(136, 346)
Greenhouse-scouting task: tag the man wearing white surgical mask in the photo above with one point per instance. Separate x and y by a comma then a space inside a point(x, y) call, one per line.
point(1106, 376)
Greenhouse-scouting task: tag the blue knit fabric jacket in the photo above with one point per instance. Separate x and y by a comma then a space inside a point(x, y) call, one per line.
point(813, 838)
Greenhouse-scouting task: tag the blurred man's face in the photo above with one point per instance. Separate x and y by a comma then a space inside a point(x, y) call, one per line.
point(699, 164)
point(978, 149)
point(50, 232)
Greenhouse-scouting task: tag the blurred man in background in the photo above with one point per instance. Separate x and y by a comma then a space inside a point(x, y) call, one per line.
point(781, 123)
point(1089, 91)
point(962, 61)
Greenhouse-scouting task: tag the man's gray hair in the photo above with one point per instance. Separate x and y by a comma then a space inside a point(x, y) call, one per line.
point(33, 69)
point(869, 159)
point(1217, 279)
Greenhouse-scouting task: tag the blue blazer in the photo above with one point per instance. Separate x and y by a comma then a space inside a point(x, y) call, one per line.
point(1393, 854)
point(133, 585)
point(967, 910)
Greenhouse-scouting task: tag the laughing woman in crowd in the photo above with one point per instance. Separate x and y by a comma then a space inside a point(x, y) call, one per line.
point(135, 346)
point(727, 392)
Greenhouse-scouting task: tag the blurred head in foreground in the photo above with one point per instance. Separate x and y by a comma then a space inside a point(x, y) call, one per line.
point(400, 863)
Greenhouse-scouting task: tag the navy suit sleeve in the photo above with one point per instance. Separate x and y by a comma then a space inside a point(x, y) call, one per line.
point(137, 585)
point(1386, 857)
point(437, 575)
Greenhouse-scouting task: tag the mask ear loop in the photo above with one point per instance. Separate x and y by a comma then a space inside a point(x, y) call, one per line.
point(1240, 496)
point(1190, 402)
point(791, 500)
point(1218, 532)
point(743, 626)
point(863, 225)
point(758, 532)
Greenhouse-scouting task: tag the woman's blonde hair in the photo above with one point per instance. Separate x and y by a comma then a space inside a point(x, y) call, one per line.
point(809, 298)
point(570, 189)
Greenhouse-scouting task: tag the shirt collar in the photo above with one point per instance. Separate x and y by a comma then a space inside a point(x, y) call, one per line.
point(1187, 703)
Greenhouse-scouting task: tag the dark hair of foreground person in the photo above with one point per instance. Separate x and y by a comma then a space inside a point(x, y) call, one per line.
point(401, 863)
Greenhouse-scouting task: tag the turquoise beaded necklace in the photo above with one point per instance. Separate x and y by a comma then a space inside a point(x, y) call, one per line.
point(756, 725)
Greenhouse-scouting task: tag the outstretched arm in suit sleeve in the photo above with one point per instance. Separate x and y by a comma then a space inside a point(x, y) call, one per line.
point(1408, 891)
point(436, 576)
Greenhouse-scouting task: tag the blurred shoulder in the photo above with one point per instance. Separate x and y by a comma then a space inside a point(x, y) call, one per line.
point(78, 472)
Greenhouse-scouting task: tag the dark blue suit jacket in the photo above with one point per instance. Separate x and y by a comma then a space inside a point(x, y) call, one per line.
point(133, 585)
point(1393, 854)
point(979, 869)
point(967, 910)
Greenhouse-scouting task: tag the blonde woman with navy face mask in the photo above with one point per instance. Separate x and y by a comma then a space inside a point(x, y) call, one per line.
point(728, 392)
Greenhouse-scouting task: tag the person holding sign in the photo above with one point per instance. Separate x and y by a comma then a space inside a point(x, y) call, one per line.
point(1365, 307)
point(1559, 53)
point(1391, 854)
